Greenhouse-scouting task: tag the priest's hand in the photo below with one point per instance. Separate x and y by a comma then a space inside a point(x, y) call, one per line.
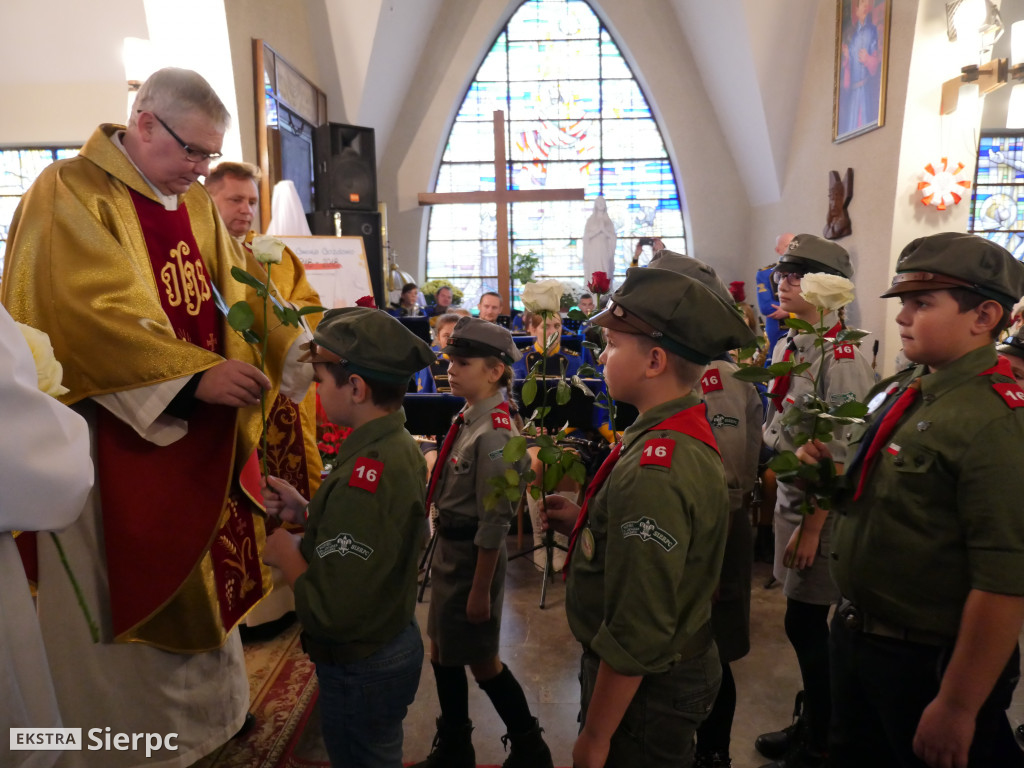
point(232, 383)
point(282, 500)
point(560, 514)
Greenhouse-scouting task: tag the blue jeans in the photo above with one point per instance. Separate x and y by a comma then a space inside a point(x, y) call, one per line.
point(362, 704)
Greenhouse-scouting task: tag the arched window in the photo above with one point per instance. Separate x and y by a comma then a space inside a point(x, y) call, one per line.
point(575, 117)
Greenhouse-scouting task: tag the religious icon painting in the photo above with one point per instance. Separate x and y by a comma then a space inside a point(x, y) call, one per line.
point(862, 58)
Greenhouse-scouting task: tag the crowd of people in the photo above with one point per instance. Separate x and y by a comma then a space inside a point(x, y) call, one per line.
point(150, 467)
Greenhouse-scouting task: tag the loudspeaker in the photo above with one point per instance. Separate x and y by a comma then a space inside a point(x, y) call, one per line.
point(346, 168)
point(364, 224)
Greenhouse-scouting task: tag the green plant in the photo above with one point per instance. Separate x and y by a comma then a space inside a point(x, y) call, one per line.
point(430, 288)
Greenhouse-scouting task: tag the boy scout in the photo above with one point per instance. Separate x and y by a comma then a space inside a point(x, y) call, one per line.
point(929, 548)
point(646, 550)
point(735, 413)
point(354, 569)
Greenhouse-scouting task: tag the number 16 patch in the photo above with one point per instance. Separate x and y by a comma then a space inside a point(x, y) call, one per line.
point(658, 451)
point(366, 474)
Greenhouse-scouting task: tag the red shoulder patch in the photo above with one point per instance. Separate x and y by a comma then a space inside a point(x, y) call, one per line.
point(844, 351)
point(366, 474)
point(711, 381)
point(1010, 392)
point(501, 420)
point(658, 451)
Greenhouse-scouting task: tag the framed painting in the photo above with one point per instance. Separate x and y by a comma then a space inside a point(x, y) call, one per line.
point(862, 58)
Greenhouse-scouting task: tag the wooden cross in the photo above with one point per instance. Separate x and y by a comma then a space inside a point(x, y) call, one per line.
point(501, 195)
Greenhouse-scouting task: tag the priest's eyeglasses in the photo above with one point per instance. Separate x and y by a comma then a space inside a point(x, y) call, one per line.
point(192, 155)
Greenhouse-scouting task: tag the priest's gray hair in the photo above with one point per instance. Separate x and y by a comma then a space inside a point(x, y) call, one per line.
point(173, 93)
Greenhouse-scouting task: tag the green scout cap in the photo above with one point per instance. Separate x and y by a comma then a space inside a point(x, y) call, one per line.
point(810, 253)
point(678, 312)
point(958, 260)
point(473, 337)
point(369, 343)
point(695, 268)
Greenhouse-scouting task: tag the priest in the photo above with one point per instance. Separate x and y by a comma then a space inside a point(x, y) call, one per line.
point(123, 260)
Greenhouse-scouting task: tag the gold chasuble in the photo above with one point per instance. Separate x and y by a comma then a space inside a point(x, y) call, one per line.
point(124, 290)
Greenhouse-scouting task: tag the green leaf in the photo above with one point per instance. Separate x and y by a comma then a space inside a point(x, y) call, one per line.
point(529, 476)
point(251, 337)
point(529, 390)
point(799, 368)
point(244, 277)
point(541, 412)
point(819, 342)
point(567, 460)
point(553, 476)
point(851, 409)
point(753, 373)
point(577, 382)
point(747, 352)
point(780, 368)
point(587, 372)
point(578, 472)
point(591, 346)
point(576, 314)
point(241, 316)
point(536, 492)
point(512, 477)
point(311, 310)
point(549, 455)
point(497, 482)
point(514, 449)
point(491, 500)
point(563, 392)
point(512, 493)
point(545, 441)
point(851, 335)
point(290, 317)
point(279, 314)
point(798, 324)
point(785, 461)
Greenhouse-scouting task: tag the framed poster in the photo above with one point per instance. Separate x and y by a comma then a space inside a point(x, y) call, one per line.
point(335, 267)
point(862, 58)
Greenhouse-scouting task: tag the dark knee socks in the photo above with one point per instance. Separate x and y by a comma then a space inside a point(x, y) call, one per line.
point(807, 630)
point(509, 700)
point(452, 693)
point(713, 734)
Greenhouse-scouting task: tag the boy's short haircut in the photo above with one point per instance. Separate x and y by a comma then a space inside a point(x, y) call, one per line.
point(383, 395)
point(584, 296)
point(687, 373)
point(408, 287)
point(966, 300)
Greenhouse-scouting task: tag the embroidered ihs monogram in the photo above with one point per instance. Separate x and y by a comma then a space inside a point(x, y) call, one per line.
point(185, 280)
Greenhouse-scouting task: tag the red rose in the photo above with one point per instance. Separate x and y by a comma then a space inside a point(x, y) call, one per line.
point(599, 283)
point(366, 301)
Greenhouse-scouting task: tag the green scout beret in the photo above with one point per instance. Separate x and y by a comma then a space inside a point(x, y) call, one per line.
point(678, 312)
point(473, 337)
point(369, 343)
point(957, 260)
point(695, 268)
point(810, 253)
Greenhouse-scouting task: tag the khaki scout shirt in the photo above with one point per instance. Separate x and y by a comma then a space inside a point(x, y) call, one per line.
point(475, 458)
point(735, 414)
point(940, 513)
point(640, 598)
point(363, 539)
point(846, 376)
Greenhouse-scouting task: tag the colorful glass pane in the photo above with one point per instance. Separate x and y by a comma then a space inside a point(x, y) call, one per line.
point(997, 201)
point(575, 117)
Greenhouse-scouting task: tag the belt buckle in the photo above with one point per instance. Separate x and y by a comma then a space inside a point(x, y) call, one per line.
point(853, 618)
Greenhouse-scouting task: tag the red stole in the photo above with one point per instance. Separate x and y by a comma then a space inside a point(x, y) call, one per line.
point(691, 421)
point(165, 507)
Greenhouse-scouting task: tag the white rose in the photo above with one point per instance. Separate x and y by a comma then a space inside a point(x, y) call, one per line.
point(267, 249)
point(545, 296)
point(48, 371)
point(827, 292)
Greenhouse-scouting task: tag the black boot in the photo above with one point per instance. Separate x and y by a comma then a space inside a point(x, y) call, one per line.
point(802, 753)
point(452, 747)
point(528, 749)
point(774, 745)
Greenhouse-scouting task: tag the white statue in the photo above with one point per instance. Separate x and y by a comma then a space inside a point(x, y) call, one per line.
point(599, 242)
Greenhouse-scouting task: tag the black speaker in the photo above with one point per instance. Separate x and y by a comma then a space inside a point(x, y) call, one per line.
point(346, 168)
point(364, 224)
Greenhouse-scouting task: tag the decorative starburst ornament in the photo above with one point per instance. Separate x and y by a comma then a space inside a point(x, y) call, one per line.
point(941, 185)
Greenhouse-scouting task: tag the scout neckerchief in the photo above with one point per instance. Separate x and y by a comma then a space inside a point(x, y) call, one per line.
point(780, 384)
point(691, 421)
point(886, 425)
point(446, 449)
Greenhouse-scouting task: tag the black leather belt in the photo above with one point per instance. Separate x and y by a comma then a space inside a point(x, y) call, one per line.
point(457, 532)
point(857, 620)
point(327, 652)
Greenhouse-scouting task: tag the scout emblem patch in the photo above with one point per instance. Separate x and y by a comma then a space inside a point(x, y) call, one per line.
point(344, 544)
point(711, 381)
point(720, 420)
point(647, 529)
point(366, 474)
point(876, 401)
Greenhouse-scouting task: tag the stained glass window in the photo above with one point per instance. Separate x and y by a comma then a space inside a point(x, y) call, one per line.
point(997, 205)
point(18, 169)
point(575, 117)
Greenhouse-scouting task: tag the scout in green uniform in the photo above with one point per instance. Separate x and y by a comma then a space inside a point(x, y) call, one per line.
point(467, 575)
point(354, 569)
point(1012, 348)
point(929, 547)
point(646, 549)
point(802, 543)
point(735, 413)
